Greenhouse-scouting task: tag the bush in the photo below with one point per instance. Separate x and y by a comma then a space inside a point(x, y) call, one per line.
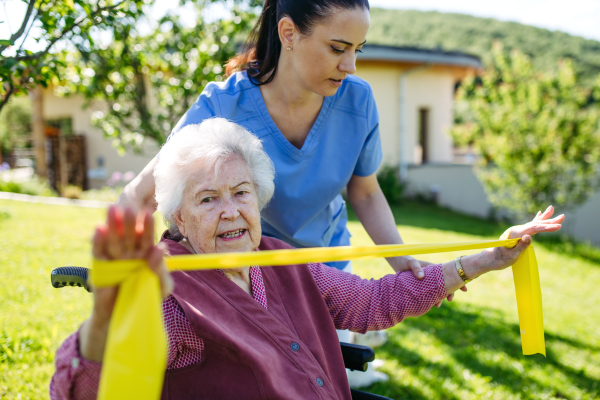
point(538, 134)
point(34, 187)
point(390, 184)
point(15, 123)
point(12, 187)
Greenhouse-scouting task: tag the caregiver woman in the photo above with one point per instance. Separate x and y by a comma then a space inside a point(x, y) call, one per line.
point(294, 88)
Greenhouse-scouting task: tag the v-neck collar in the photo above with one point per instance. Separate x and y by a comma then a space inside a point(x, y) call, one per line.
point(176, 249)
point(311, 138)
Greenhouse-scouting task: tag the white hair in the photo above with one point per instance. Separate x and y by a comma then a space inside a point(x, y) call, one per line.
point(214, 140)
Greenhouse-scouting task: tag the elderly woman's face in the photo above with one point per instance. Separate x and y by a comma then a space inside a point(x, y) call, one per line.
point(219, 210)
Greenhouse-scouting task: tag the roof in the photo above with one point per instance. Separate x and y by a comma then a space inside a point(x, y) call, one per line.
point(374, 52)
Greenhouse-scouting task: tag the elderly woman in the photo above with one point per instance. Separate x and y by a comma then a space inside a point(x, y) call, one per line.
point(249, 332)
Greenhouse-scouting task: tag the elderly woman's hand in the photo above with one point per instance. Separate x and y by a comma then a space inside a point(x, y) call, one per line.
point(500, 257)
point(124, 236)
point(542, 222)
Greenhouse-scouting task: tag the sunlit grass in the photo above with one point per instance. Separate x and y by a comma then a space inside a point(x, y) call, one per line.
point(468, 349)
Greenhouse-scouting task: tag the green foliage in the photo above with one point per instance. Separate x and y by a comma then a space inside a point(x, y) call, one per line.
point(538, 133)
point(390, 184)
point(57, 23)
point(11, 187)
point(15, 122)
point(34, 187)
point(150, 81)
point(457, 32)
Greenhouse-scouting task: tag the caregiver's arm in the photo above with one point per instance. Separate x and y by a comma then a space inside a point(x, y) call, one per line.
point(373, 211)
point(139, 193)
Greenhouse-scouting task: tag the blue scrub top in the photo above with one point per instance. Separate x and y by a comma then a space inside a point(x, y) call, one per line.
point(307, 209)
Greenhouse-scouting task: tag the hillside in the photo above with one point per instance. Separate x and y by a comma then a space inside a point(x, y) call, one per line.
point(475, 35)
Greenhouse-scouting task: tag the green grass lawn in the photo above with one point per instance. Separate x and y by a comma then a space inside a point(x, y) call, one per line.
point(468, 349)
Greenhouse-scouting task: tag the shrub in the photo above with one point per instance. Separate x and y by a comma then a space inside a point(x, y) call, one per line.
point(538, 133)
point(12, 187)
point(35, 187)
point(390, 184)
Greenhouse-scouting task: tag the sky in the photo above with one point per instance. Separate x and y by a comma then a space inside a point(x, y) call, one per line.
point(576, 17)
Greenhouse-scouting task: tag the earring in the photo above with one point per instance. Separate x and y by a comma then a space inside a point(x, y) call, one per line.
point(289, 48)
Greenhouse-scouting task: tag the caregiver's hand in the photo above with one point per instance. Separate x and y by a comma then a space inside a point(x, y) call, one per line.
point(124, 236)
point(408, 263)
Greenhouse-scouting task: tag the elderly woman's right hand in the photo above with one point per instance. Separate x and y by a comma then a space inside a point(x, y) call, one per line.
point(124, 236)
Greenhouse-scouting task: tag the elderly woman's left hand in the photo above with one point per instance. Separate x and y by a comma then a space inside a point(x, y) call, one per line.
point(497, 258)
point(541, 223)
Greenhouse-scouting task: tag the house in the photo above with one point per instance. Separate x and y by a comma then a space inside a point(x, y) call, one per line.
point(414, 90)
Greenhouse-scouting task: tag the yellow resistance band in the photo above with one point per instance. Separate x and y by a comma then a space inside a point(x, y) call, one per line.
point(135, 355)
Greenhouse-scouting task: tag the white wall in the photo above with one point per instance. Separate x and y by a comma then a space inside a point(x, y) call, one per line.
point(97, 145)
point(432, 89)
point(457, 186)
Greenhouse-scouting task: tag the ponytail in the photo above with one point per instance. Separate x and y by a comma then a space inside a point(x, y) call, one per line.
point(260, 54)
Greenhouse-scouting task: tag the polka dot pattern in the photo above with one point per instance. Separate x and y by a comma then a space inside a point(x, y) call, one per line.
point(75, 377)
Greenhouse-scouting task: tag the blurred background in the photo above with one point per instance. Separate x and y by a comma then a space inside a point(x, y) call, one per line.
point(488, 113)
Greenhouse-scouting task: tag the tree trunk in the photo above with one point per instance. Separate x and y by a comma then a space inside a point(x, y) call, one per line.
point(39, 139)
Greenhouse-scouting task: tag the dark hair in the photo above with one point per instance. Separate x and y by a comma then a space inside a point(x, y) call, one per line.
point(261, 51)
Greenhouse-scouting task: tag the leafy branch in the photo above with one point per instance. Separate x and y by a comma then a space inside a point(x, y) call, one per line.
point(72, 21)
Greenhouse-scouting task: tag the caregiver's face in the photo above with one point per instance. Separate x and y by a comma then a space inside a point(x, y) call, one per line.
point(219, 210)
point(327, 56)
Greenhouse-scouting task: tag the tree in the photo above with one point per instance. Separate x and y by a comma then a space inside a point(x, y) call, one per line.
point(475, 35)
point(70, 21)
point(15, 123)
point(538, 133)
point(149, 81)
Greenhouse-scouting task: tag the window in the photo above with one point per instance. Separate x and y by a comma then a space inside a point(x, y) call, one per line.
point(424, 134)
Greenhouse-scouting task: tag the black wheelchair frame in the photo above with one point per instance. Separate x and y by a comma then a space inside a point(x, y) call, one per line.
point(356, 357)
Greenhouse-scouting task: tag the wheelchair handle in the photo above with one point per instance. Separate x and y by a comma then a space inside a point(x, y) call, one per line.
point(70, 276)
point(356, 357)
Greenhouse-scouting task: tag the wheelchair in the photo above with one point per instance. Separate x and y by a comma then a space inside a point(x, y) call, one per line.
point(356, 357)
